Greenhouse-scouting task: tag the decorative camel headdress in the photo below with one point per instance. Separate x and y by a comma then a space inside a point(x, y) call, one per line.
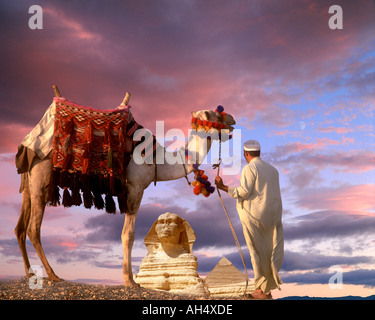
point(201, 184)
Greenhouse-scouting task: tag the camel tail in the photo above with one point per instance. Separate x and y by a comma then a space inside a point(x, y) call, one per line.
point(24, 178)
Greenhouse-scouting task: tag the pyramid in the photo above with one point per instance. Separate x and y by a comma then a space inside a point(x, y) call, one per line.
point(226, 279)
point(224, 273)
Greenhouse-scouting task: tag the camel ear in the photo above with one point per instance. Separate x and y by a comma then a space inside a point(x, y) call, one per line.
point(193, 114)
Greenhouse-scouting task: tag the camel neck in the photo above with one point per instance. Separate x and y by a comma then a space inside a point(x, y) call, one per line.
point(198, 148)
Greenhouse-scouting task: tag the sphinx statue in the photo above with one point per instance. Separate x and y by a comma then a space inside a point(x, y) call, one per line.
point(170, 264)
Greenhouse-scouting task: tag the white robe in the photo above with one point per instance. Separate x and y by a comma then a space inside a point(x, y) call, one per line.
point(259, 207)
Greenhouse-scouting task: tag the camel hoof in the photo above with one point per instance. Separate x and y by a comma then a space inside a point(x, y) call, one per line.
point(54, 278)
point(131, 284)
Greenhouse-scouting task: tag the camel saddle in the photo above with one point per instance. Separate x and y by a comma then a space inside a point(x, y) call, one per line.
point(91, 151)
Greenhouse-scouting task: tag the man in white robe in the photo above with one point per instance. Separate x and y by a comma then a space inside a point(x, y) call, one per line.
point(259, 207)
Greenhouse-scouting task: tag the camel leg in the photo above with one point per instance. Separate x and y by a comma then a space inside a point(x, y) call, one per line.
point(39, 177)
point(127, 238)
point(22, 225)
point(33, 231)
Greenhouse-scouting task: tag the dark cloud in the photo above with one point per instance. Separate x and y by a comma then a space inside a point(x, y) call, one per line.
point(66, 249)
point(106, 228)
point(294, 261)
point(208, 222)
point(319, 266)
point(207, 263)
point(365, 277)
point(329, 224)
point(211, 224)
point(9, 247)
point(174, 56)
point(62, 249)
point(108, 264)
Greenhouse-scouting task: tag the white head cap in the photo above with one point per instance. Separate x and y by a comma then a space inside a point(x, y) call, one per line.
point(251, 145)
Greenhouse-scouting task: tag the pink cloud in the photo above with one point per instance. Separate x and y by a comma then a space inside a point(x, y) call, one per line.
point(357, 198)
point(294, 147)
point(286, 132)
point(69, 245)
point(339, 130)
point(365, 127)
point(159, 205)
point(346, 140)
point(11, 136)
point(357, 161)
point(95, 66)
point(75, 28)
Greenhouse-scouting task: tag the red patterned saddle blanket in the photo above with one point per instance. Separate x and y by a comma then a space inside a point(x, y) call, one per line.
point(91, 150)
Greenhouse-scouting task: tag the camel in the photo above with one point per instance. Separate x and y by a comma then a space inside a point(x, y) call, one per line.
point(139, 177)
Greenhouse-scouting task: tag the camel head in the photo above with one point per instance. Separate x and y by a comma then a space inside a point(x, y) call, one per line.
point(213, 116)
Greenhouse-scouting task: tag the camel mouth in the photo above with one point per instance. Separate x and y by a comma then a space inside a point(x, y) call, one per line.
point(230, 125)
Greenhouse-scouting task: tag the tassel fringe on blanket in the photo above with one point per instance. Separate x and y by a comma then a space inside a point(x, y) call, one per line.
point(91, 151)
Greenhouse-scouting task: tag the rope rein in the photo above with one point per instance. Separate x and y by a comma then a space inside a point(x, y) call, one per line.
point(230, 222)
point(207, 125)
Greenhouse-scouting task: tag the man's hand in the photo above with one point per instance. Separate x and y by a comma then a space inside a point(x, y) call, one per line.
point(220, 184)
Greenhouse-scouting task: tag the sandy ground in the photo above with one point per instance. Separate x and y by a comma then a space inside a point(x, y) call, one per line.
point(19, 289)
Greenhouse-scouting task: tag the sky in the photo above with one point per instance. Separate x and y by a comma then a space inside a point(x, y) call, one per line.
point(303, 90)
